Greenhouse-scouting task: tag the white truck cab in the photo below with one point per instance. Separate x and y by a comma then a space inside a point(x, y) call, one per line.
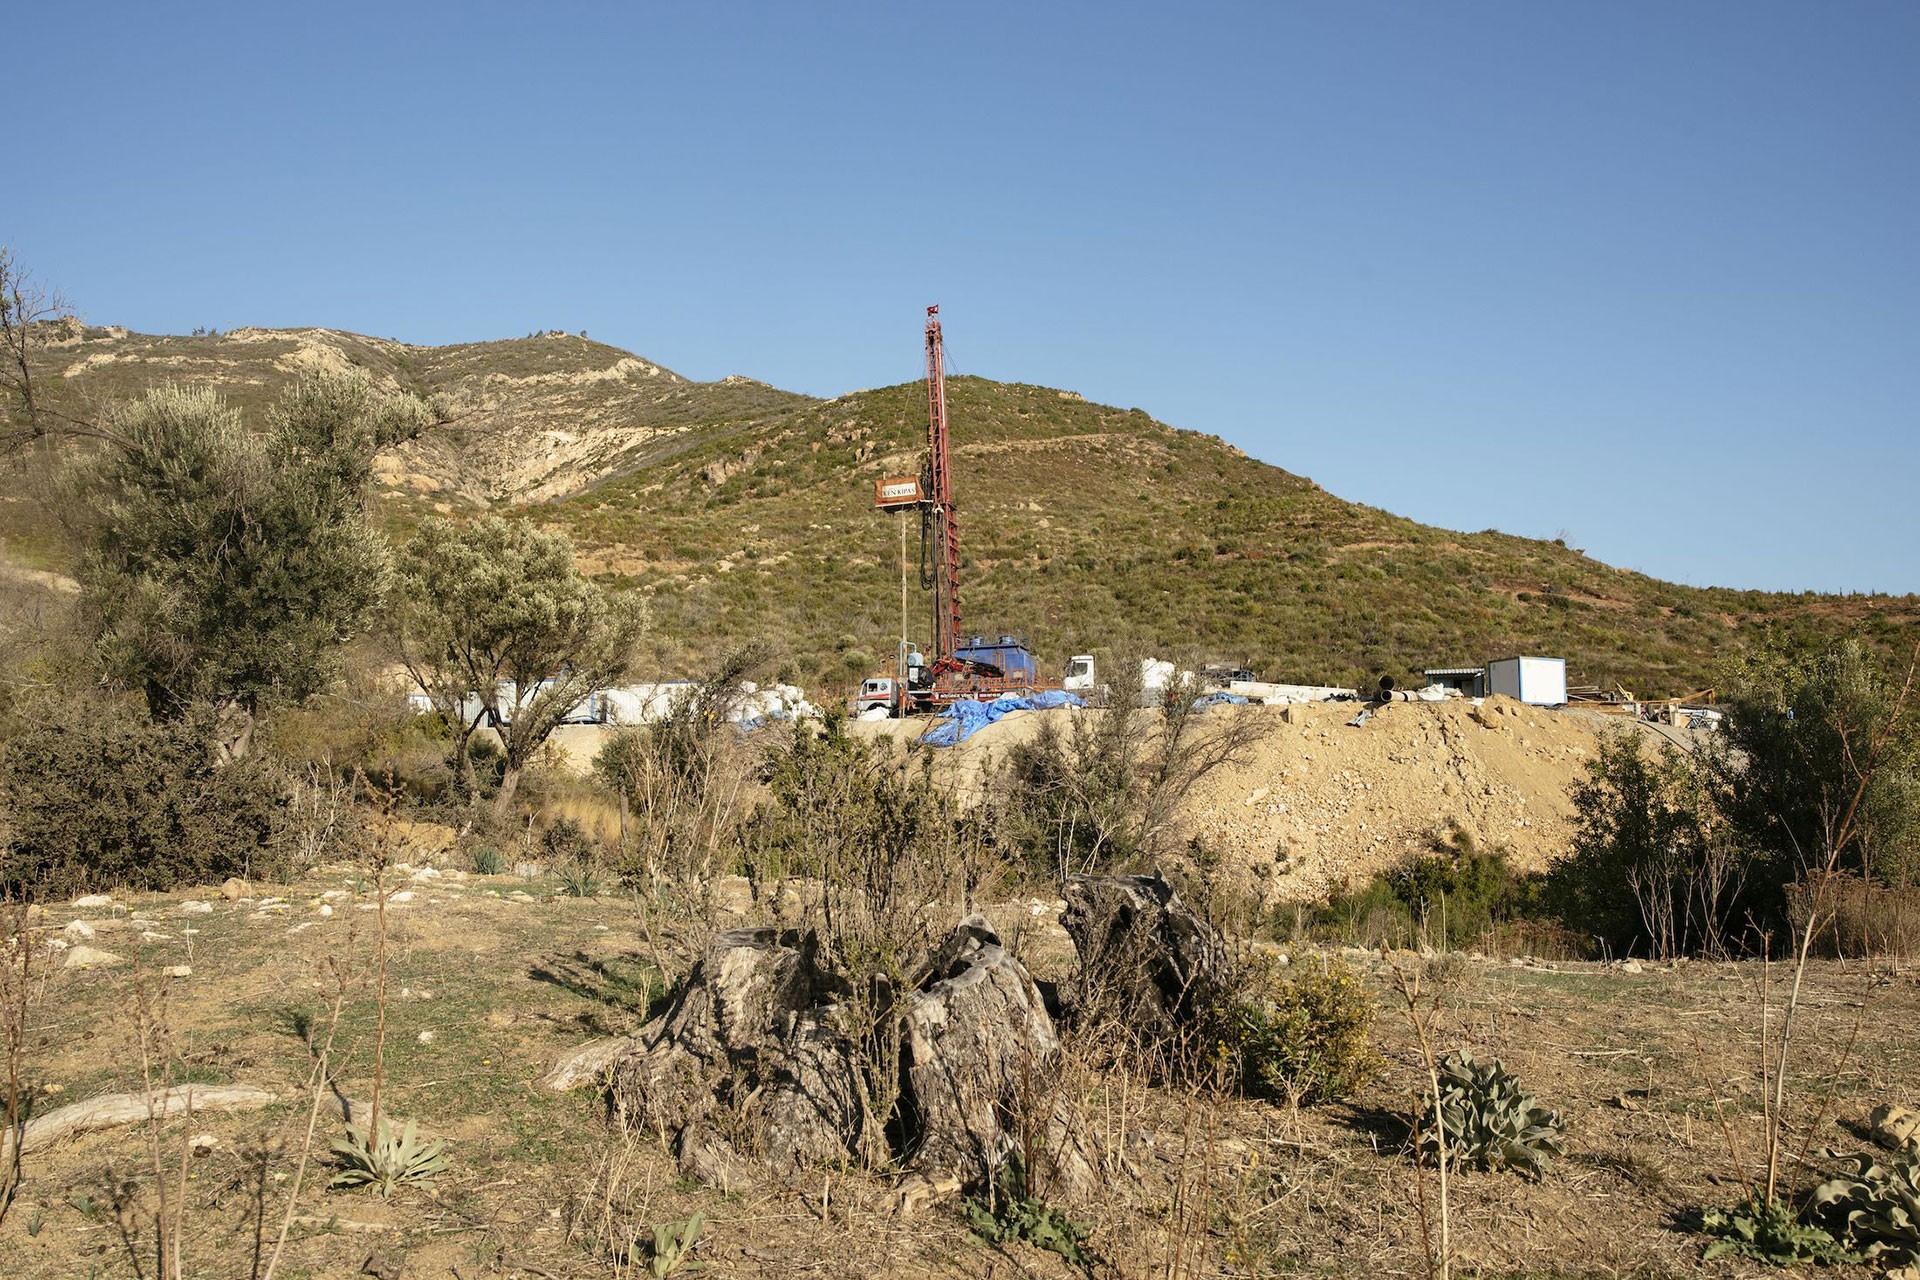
point(876, 691)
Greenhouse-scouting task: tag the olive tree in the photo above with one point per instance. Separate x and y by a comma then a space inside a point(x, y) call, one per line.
point(228, 567)
point(496, 624)
point(1820, 746)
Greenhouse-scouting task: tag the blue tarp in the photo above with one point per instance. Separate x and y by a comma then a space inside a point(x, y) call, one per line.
point(1215, 699)
point(964, 719)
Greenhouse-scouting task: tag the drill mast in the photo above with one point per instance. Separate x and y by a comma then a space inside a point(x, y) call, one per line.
point(938, 511)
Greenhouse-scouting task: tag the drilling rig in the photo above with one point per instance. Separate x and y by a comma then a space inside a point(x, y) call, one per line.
point(959, 667)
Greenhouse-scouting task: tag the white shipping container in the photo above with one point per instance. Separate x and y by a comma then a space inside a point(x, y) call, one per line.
point(1539, 681)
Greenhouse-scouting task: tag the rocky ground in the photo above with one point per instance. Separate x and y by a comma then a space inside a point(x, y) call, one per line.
point(494, 978)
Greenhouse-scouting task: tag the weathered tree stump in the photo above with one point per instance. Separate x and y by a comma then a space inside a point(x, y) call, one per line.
point(1146, 960)
point(754, 1072)
point(983, 1070)
point(746, 1058)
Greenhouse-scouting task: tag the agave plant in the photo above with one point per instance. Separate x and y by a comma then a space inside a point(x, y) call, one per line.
point(1489, 1122)
point(1876, 1209)
point(389, 1160)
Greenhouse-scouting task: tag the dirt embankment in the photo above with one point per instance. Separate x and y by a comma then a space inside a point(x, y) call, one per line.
point(1318, 804)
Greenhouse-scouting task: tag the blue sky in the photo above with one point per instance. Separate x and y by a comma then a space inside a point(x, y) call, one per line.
point(1644, 274)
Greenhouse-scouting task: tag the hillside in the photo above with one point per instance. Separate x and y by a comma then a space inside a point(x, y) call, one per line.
point(743, 511)
point(1085, 525)
point(536, 416)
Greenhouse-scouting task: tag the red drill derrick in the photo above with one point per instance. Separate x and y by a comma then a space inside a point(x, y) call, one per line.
point(939, 511)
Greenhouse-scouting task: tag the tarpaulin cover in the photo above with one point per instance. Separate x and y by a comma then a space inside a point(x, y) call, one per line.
point(964, 719)
point(1214, 699)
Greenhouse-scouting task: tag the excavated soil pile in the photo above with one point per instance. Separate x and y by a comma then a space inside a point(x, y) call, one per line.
point(1318, 805)
point(1321, 805)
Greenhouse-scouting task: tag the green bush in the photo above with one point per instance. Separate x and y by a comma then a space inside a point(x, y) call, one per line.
point(1457, 897)
point(1304, 1033)
point(1652, 869)
point(104, 801)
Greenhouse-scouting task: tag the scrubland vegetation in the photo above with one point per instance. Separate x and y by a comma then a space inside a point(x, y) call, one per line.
point(1441, 1072)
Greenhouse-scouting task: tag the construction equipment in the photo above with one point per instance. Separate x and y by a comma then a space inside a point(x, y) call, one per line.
point(976, 667)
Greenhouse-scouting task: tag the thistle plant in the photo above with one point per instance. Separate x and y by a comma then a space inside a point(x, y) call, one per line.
point(390, 1160)
point(1488, 1121)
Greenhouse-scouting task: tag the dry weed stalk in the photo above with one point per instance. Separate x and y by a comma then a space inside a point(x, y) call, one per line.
point(319, 1085)
point(1423, 1014)
point(21, 985)
point(615, 1209)
point(152, 1015)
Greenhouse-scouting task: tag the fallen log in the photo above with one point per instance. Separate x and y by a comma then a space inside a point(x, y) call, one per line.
point(115, 1109)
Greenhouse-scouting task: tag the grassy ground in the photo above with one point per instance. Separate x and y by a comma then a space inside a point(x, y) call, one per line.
point(494, 978)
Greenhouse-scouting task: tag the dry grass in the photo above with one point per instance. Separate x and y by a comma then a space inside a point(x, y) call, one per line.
point(1199, 1183)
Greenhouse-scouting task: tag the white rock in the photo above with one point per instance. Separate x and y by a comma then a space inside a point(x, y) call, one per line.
point(180, 971)
point(323, 910)
point(79, 931)
point(425, 1037)
point(93, 901)
point(90, 958)
point(195, 907)
point(405, 895)
point(424, 874)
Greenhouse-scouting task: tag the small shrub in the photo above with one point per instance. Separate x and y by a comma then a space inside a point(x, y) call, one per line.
point(1862, 919)
point(566, 841)
point(1458, 896)
point(1011, 1212)
point(579, 880)
point(488, 861)
point(1489, 1121)
point(1304, 1034)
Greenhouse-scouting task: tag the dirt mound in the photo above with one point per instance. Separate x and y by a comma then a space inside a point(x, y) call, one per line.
point(1321, 805)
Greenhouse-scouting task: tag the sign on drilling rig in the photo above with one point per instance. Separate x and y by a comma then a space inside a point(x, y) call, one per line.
point(900, 491)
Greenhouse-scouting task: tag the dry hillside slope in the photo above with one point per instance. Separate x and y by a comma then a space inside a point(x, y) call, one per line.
point(745, 512)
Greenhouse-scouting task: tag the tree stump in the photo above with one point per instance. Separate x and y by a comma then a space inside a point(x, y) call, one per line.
point(754, 1072)
point(1146, 960)
point(746, 1067)
point(983, 1072)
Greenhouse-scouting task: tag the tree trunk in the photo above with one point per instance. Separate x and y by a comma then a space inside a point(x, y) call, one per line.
point(1148, 964)
point(503, 798)
point(984, 1073)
